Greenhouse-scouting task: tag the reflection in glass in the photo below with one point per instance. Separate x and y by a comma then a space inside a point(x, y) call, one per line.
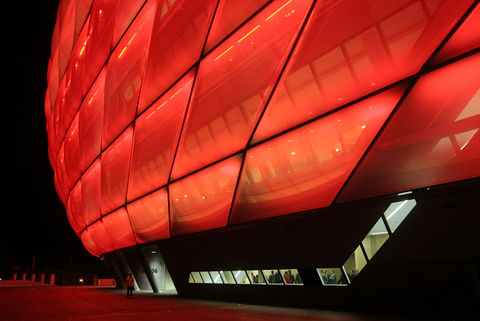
point(397, 212)
point(290, 276)
point(375, 238)
point(305, 168)
point(273, 277)
point(256, 277)
point(241, 277)
point(216, 277)
point(227, 277)
point(355, 263)
point(351, 48)
point(232, 84)
point(433, 137)
point(206, 277)
point(332, 276)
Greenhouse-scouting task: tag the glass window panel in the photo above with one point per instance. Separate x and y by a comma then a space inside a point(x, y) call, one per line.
point(124, 73)
point(290, 276)
point(91, 122)
point(466, 38)
point(191, 279)
point(355, 263)
point(397, 212)
point(305, 169)
point(229, 15)
point(332, 276)
point(91, 191)
point(156, 135)
point(241, 277)
point(256, 277)
point(115, 165)
point(149, 217)
point(433, 138)
point(273, 277)
point(177, 40)
point(197, 277)
point(216, 278)
point(118, 227)
point(238, 74)
point(202, 201)
point(375, 238)
point(227, 277)
point(351, 48)
point(206, 277)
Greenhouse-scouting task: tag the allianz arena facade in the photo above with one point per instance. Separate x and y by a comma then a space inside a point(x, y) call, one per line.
point(290, 151)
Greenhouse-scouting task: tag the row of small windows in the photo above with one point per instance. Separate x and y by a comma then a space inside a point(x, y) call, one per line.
point(329, 276)
point(270, 276)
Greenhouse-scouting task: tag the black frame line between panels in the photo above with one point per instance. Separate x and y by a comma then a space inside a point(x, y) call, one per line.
point(425, 69)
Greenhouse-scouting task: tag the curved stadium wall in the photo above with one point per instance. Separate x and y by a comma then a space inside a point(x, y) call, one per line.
point(169, 118)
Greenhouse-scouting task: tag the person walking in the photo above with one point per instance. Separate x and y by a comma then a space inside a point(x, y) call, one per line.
point(129, 285)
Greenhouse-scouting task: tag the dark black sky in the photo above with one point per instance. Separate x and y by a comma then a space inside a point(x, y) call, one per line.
point(36, 223)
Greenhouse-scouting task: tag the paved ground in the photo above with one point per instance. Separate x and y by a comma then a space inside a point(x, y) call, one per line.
point(57, 303)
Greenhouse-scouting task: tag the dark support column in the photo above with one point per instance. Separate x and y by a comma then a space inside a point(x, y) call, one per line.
point(126, 268)
point(112, 266)
point(148, 270)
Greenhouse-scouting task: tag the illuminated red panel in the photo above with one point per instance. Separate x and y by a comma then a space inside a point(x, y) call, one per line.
point(48, 106)
point(115, 165)
point(66, 20)
point(305, 169)
point(466, 38)
point(61, 175)
point(75, 206)
point(178, 36)
point(89, 244)
point(75, 79)
point(232, 84)
point(91, 192)
point(72, 153)
point(98, 45)
point(51, 141)
point(202, 201)
point(59, 125)
point(53, 77)
point(149, 217)
point(125, 14)
point(124, 75)
point(351, 48)
point(70, 20)
point(432, 139)
point(91, 123)
point(73, 219)
point(101, 237)
point(118, 227)
point(229, 15)
point(156, 136)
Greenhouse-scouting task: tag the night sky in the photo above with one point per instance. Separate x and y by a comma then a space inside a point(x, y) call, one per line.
point(36, 224)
